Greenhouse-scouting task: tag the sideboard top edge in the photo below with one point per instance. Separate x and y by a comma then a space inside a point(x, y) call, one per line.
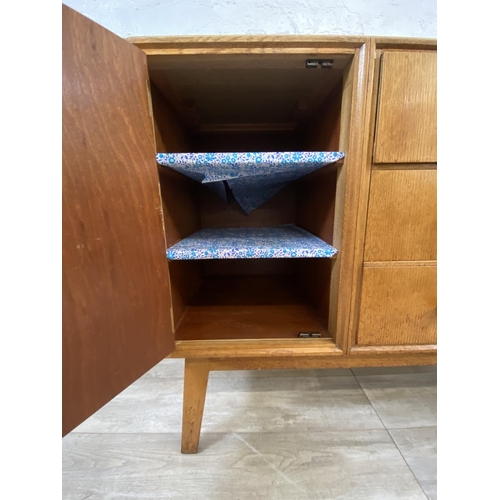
point(240, 41)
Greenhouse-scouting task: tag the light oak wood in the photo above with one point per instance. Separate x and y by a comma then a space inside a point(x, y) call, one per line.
point(402, 216)
point(395, 43)
point(360, 197)
point(318, 362)
point(395, 349)
point(246, 44)
point(241, 348)
point(407, 114)
point(404, 166)
point(195, 389)
point(353, 109)
point(400, 263)
point(391, 44)
point(398, 306)
point(296, 351)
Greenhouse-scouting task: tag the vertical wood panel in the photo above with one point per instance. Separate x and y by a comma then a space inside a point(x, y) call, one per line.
point(398, 306)
point(406, 117)
point(402, 215)
point(116, 320)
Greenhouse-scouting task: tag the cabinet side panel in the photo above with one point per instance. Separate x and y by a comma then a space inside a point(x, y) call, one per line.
point(116, 300)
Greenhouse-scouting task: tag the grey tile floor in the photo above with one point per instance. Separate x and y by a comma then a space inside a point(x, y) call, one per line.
point(308, 434)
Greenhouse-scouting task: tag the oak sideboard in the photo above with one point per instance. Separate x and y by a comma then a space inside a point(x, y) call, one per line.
point(126, 306)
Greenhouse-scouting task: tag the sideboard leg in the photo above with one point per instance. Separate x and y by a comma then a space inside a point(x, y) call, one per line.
point(195, 388)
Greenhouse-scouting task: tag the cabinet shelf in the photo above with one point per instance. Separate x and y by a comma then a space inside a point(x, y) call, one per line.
point(253, 178)
point(280, 242)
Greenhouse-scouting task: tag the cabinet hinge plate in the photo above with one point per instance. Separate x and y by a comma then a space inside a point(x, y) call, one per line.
point(319, 63)
point(309, 335)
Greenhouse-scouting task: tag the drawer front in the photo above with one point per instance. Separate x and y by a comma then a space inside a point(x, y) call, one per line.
point(398, 306)
point(402, 216)
point(406, 125)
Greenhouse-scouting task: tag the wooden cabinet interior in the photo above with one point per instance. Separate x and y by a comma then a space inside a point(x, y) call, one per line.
point(215, 103)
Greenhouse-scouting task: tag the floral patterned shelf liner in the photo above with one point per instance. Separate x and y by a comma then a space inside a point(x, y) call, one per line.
point(253, 177)
point(279, 242)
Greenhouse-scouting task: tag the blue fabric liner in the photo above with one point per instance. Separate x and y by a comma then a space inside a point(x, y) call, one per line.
point(253, 177)
point(279, 242)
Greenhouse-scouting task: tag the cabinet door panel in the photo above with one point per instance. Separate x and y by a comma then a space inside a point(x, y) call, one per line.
point(116, 299)
point(406, 127)
point(402, 216)
point(398, 306)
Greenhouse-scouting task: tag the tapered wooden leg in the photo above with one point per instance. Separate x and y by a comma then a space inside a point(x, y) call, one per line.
point(195, 388)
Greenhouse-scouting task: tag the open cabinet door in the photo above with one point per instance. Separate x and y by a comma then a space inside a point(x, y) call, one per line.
point(116, 297)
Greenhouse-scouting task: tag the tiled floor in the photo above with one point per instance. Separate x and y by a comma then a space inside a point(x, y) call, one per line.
point(311, 434)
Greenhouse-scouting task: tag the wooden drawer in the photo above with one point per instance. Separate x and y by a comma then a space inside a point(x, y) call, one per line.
point(398, 306)
point(406, 126)
point(402, 215)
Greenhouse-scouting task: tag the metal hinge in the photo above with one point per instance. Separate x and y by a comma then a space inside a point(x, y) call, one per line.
point(309, 335)
point(323, 63)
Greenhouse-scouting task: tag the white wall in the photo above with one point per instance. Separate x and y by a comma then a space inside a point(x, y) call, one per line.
point(243, 17)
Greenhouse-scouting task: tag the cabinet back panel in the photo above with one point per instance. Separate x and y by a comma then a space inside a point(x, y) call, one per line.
point(243, 267)
point(247, 141)
point(280, 209)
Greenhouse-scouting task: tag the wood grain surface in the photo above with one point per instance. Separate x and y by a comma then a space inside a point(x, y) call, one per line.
point(398, 306)
point(245, 44)
point(249, 307)
point(321, 362)
point(407, 110)
point(116, 322)
point(195, 389)
point(402, 216)
point(354, 143)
